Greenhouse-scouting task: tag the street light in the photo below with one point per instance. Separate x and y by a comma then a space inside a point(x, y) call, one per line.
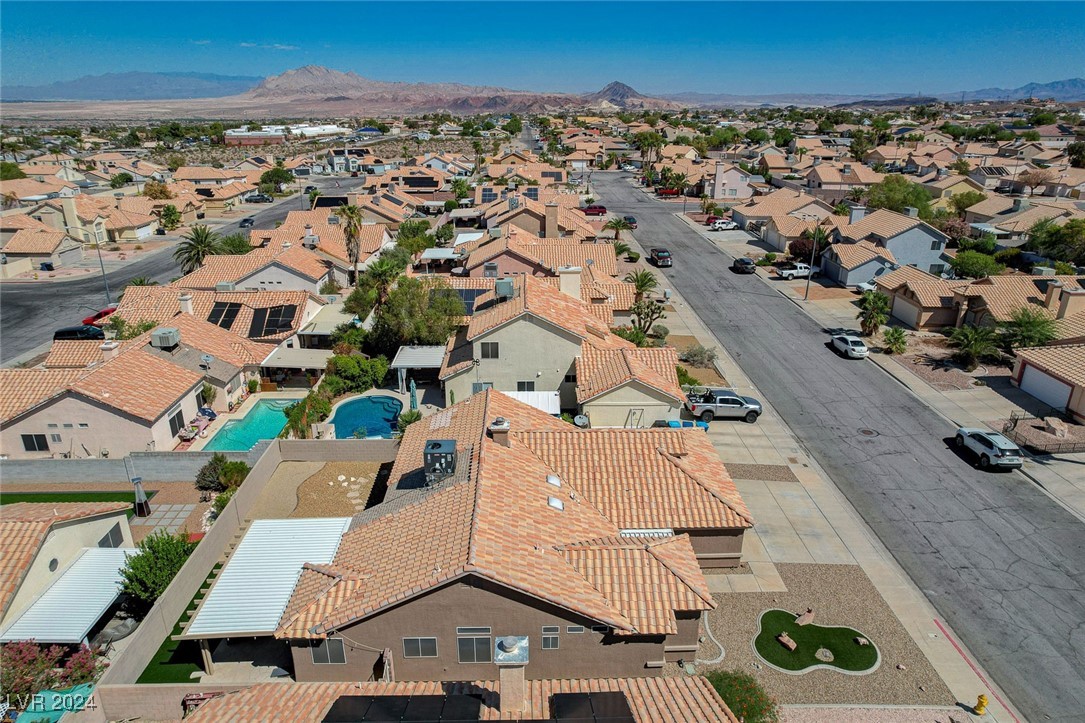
point(101, 264)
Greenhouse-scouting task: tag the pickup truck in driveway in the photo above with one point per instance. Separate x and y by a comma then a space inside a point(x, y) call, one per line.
point(709, 403)
point(660, 257)
point(797, 271)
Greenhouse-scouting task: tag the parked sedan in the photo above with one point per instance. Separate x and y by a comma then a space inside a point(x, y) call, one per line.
point(99, 315)
point(248, 222)
point(743, 265)
point(850, 346)
point(631, 220)
point(991, 449)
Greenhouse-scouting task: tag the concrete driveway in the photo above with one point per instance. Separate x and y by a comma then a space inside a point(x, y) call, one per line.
point(1002, 562)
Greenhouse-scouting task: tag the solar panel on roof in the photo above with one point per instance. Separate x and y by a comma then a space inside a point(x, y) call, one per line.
point(387, 708)
point(468, 297)
point(272, 320)
point(412, 708)
point(610, 707)
point(348, 709)
point(223, 313)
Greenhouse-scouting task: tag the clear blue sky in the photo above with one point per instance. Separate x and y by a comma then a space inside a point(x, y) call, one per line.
point(732, 47)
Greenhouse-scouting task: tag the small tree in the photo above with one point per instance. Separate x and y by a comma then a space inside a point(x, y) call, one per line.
point(961, 202)
point(233, 473)
point(10, 171)
point(873, 311)
point(234, 244)
point(120, 180)
point(124, 331)
point(209, 477)
point(617, 225)
point(171, 217)
point(1028, 327)
point(975, 265)
point(973, 343)
point(744, 696)
point(157, 190)
point(1036, 178)
point(276, 177)
point(330, 287)
point(646, 313)
point(644, 282)
point(896, 341)
point(209, 393)
point(147, 574)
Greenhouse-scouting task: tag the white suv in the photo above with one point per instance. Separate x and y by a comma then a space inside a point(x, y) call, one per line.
point(991, 448)
point(723, 224)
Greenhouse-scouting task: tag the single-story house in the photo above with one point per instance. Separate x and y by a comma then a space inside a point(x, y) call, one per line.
point(1055, 375)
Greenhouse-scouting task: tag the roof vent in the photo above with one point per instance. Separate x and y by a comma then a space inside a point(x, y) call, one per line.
point(555, 503)
point(554, 480)
point(310, 241)
point(333, 220)
point(439, 459)
point(165, 337)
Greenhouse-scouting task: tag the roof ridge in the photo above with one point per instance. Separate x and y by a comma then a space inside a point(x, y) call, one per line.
point(678, 463)
point(663, 541)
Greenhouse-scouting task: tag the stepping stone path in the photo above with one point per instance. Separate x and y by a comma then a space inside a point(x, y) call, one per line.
point(824, 655)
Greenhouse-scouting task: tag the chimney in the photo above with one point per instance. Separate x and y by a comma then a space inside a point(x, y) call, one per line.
point(186, 304)
point(911, 212)
point(857, 214)
point(1073, 302)
point(569, 280)
point(110, 349)
point(1020, 204)
point(817, 161)
point(513, 689)
point(71, 218)
point(499, 431)
point(1051, 296)
point(550, 221)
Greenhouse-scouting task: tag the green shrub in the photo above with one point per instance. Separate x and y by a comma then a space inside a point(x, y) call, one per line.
point(896, 341)
point(253, 384)
point(314, 407)
point(334, 385)
point(147, 573)
point(744, 695)
point(660, 332)
point(209, 478)
point(330, 287)
point(209, 393)
point(628, 333)
point(359, 373)
point(632, 257)
point(770, 257)
point(233, 473)
point(686, 379)
point(699, 356)
point(221, 500)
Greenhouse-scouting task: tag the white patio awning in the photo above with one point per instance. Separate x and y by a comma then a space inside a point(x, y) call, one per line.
point(419, 357)
point(436, 254)
point(287, 358)
point(549, 402)
point(70, 607)
point(251, 594)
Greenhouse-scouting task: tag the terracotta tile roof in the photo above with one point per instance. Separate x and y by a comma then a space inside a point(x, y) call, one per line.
point(651, 700)
point(423, 537)
point(550, 253)
point(26, 388)
point(29, 188)
point(882, 223)
point(602, 370)
point(780, 203)
point(937, 294)
point(23, 528)
point(792, 226)
point(856, 174)
point(27, 241)
point(73, 354)
point(897, 277)
point(138, 383)
point(206, 173)
point(1002, 295)
point(1071, 327)
point(853, 255)
point(1065, 361)
point(16, 221)
point(232, 268)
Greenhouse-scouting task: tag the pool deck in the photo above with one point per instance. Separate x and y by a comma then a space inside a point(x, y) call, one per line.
point(237, 414)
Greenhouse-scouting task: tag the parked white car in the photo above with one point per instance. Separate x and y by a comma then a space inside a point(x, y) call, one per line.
point(850, 346)
point(723, 225)
point(867, 286)
point(990, 448)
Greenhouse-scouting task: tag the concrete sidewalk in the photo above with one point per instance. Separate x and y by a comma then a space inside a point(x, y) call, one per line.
point(810, 521)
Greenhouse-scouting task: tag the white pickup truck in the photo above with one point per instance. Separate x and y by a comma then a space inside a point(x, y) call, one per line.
point(797, 271)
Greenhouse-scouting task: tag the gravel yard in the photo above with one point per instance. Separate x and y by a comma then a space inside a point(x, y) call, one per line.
point(763, 472)
point(839, 595)
point(326, 495)
point(843, 714)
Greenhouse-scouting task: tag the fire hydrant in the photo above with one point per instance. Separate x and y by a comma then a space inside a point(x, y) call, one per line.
point(981, 705)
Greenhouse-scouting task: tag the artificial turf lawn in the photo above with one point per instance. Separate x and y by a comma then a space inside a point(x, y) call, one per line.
point(10, 498)
point(176, 660)
point(847, 654)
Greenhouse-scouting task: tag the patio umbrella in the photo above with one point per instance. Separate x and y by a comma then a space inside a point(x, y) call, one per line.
point(414, 395)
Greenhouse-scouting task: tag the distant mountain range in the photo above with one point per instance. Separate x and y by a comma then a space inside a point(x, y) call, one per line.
point(134, 86)
point(316, 90)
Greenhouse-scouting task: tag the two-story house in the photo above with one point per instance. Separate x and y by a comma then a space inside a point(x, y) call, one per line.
point(908, 240)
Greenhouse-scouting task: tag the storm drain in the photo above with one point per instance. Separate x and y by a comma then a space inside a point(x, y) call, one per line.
point(868, 432)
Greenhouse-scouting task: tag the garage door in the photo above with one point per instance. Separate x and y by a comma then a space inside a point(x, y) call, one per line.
point(1045, 388)
point(907, 312)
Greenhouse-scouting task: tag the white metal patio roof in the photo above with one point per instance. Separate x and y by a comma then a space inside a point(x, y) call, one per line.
point(419, 357)
point(253, 589)
point(69, 608)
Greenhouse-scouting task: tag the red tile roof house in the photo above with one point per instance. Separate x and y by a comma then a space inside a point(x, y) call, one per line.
point(588, 542)
point(1055, 375)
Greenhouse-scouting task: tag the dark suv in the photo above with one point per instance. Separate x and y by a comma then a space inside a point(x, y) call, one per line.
point(743, 265)
point(81, 332)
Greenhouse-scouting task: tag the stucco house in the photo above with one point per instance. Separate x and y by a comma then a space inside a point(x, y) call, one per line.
point(849, 264)
point(289, 268)
point(1055, 375)
point(517, 252)
point(920, 300)
point(946, 186)
point(42, 247)
point(910, 241)
point(783, 202)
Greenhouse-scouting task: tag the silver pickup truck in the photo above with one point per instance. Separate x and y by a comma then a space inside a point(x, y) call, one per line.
point(709, 403)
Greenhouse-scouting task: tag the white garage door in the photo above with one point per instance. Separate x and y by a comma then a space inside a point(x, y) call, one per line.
point(906, 312)
point(1045, 388)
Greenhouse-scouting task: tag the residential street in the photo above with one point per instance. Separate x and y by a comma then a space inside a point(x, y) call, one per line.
point(1002, 562)
point(30, 312)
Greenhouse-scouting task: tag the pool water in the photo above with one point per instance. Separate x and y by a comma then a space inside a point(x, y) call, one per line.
point(373, 416)
point(264, 421)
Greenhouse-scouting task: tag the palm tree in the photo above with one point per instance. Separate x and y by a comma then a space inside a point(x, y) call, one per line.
point(141, 281)
point(621, 248)
point(196, 245)
point(856, 194)
point(973, 343)
point(644, 282)
point(873, 312)
point(617, 225)
point(1028, 327)
point(896, 341)
point(383, 272)
point(234, 244)
point(476, 146)
point(351, 220)
point(801, 151)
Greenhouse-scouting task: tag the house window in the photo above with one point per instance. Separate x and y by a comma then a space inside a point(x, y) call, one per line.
point(328, 652)
point(489, 270)
point(113, 538)
point(479, 387)
point(473, 645)
point(600, 629)
point(69, 426)
point(938, 269)
point(570, 378)
point(54, 438)
point(574, 629)
point(35, 443)
point(936, 245)
point(490, 350)
point(419, 647)
point(177, 423)
point(52, 426)
point(525, 386)
point(84, 425)
point(550, 637)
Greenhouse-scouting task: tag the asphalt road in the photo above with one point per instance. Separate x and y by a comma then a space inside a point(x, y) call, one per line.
point(30, 312)
point(999, 560)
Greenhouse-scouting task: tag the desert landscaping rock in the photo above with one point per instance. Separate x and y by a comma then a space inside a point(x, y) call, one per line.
point(842, 595)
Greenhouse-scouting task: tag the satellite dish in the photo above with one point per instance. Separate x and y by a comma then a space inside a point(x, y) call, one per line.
point(206, 360)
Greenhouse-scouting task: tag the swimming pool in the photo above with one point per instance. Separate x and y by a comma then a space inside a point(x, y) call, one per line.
point(369, 417)
point(264, 421)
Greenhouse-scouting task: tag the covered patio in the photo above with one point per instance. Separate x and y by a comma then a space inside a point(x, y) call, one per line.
point(424, 360)
point(293, 367)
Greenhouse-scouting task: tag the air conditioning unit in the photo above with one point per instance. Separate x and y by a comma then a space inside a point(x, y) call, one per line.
point(224, 286)
point(310, 241)
point(333, 220)
point(165, 337)
point(504, 288)
point(439, 459)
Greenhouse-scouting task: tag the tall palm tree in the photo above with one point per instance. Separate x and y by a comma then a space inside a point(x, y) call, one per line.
point(476, 146)
point(351, 220)
point(856, 194)
point(873, 312)
point(973, 343)
point(644, 282)
point(383, 272)
point(617, 225)
point(196, 245)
